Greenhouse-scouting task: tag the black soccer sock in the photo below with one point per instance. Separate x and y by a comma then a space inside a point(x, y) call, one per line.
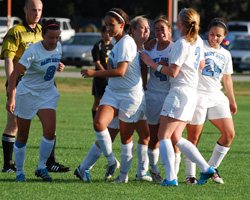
point(93, 114)
point(7, 142)
point(52, 157)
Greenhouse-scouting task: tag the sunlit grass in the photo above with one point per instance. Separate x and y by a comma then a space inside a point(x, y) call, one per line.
point(75, 136)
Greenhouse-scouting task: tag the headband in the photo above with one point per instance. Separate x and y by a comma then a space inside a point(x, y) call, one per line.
point(51, 25)
point(182, 13)
point(217, 21)
point(161, 19)
point(136, 20)
point(111, 11)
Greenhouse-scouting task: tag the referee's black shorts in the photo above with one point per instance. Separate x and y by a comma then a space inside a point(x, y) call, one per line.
point(99, 85)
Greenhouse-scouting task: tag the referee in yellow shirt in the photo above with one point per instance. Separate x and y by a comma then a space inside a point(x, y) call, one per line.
point(15, 42)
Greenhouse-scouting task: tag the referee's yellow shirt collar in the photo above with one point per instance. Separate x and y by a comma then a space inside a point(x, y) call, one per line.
point(28, 29)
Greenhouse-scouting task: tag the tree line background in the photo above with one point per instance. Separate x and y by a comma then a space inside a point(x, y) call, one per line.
point(88, 10)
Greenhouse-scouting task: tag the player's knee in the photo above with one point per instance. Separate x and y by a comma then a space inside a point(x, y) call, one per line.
point(98, 125)
point(144, 140)
point(22, 138)
point(11, 129)
point(229, 135)
point(49, 133)
point(153, 144)
point(194, 139)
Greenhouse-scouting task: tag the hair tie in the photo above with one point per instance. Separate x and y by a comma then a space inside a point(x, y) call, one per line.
point(220, 22)
point(193, 23)
point(51, 25)
point(182, 13)
point(117, 14)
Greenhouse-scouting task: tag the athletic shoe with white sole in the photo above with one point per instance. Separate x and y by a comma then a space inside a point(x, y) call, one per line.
point(146, 177)
point(111, 170)
point(169, 183)
point(85, 176)
point(156, 177)
point(191, 180)
point(216, 178)
point(10, 168)
point(118, 179)
point(20, 178)
point(206, 175)
point(56, 167)
point(43, 173)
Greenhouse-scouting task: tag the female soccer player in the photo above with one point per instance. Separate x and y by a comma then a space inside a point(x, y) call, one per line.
point(212, 104)
point(139, 30)
point(180, 103)
point(156, 90)
point(36, 94)
point(124, 96)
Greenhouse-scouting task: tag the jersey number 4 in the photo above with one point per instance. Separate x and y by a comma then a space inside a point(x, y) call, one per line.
point(162, 77)
point(50, 73)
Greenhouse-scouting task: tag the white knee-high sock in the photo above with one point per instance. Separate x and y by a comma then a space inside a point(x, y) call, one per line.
point(188, 149)
point(168, 158)
point(20, 154)
point(190, 168)
point(142, 159)
point(46, 147)
point(177, 162)
point(153, 156)
point(126, 159)
point(219, 153)
point(104, 140)
point(93, 155)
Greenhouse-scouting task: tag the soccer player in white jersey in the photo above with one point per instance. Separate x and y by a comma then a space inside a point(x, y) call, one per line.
point(124, 95)
point(180, 103)
point(212, 104)
point(156, 91)
point(36, 94)
point(139, 30)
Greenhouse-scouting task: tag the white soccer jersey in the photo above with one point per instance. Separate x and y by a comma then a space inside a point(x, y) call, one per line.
point(125, 50)
point(188, 58)
point(41, 67)
point(218, 62)
point(159, 82)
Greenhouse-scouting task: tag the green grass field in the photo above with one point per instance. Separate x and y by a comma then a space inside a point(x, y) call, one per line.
point(75, 136)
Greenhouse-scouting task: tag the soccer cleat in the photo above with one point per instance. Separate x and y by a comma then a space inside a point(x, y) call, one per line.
point(20, 178)
point(145, 177)
point(191, 180)
point(119, 180)
point(216, 178)
point(56, 167)
point(82, 176)
point(10, 168)
point(156, 177)
point(111, 170)
point(169, 183)
point(43, 173)
point(205, 176)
